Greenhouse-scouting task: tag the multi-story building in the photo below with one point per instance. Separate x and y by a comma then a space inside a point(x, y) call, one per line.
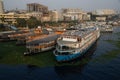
point(37, 15)
point(103, 14)
point(39, 11)
point(46, 17)
point(35, 7)
point(11, 17)
point(54, 15)
point(73, 14)
point(1, 7)
point(86, 17)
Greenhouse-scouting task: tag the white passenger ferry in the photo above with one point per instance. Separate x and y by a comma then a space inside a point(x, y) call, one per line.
point(75, 43)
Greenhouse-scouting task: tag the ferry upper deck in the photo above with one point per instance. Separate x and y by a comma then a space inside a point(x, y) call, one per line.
point(75, 36)
point(80, 32)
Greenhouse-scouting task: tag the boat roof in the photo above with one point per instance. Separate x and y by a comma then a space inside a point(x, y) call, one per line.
point(13, 33)
point(44, 39)
point(80, 32)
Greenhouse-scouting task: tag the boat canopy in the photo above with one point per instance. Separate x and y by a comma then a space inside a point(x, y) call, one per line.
point(44, 40)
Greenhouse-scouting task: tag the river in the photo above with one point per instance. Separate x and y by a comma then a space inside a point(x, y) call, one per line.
point(94, 66)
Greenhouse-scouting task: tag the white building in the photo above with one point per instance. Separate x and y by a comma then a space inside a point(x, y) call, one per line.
point(1, 7)
point(54, 16)
point(11, 17)
point(73, 14)
point(37, 15)
point(104, 12)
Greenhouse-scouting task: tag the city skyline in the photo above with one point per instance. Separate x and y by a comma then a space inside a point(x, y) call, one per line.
point(87, 5)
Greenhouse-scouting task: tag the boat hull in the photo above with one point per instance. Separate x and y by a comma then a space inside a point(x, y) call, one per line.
point(41, 50)
point(65, 58)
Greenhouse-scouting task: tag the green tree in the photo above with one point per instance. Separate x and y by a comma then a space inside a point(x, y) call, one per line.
point(21, 22)
point(33, 22)
point(2, 27)
point(3, 20)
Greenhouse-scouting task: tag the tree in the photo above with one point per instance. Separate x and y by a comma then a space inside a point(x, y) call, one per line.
point(3, 20)
point(21, 22)
point(1, 27)
point(33, 22)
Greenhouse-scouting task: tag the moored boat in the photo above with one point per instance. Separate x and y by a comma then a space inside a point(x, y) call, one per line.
point(46, 42)
point(106, 28)
point(75, 43)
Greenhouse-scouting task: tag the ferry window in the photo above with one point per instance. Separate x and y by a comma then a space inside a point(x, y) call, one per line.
point(65, 53)
point(65, 47)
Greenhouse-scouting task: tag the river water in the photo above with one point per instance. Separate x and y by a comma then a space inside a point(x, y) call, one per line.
point(96, 66)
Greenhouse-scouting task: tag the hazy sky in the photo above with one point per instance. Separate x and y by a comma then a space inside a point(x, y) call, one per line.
point(58, 4)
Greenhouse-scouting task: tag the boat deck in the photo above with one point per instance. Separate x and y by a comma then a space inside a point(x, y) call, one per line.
point(44, 39)
point(79, 33)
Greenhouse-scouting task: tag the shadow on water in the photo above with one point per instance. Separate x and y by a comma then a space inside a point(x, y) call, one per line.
point(0, 57)
point(78, 64)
